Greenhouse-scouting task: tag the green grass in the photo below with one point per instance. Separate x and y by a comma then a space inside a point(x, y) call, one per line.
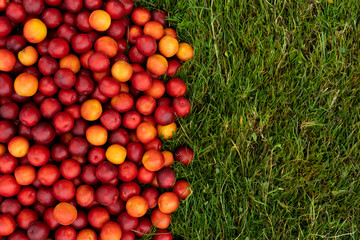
point(275, 92)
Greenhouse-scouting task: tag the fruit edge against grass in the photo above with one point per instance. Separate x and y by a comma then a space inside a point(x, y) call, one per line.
point(281, 160)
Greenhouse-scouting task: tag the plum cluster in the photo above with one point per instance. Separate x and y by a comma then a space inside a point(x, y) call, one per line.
point(83, 111)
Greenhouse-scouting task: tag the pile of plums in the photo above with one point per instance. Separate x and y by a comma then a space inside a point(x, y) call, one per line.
point(88, 92)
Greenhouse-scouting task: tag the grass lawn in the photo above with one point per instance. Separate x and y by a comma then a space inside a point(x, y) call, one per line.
point(275, 92)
